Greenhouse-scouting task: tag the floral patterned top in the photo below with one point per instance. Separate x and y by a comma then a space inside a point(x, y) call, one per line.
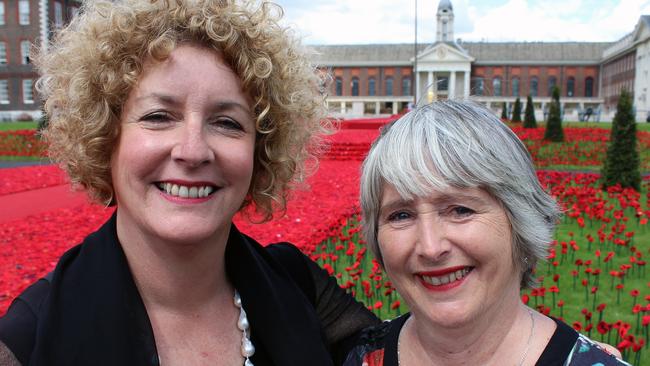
point(377, 346)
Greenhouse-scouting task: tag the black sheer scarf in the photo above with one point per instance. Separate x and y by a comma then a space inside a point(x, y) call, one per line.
point(94, 314)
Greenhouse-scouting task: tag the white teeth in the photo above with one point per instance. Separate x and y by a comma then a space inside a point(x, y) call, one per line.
point(185, 191)
point(194, 192)
point(445, 279)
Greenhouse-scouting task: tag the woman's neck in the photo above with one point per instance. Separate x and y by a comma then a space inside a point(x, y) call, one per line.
point(495, 338)
point(177, 276)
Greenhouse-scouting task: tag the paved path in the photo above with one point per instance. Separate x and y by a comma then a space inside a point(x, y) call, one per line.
point(19, 205)
point(17, 164)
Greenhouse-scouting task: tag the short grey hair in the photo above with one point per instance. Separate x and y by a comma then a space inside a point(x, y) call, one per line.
point(461, 145)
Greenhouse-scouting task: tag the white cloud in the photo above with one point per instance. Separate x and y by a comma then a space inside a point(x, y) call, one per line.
point(387, 21)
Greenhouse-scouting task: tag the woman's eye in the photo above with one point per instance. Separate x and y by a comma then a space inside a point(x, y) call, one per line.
point(156, 117)
point(227, 123)
point(461, 211)
point(399, 216)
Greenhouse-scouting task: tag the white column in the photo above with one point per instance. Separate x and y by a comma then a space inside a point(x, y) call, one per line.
point(342, 107)
point(395, 107)
point(377, 109)
point(452, 86)
point(431, 86)
point(466, 91)
point(44, 25)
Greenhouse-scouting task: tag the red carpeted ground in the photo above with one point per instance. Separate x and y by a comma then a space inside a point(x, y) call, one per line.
point(16, 206)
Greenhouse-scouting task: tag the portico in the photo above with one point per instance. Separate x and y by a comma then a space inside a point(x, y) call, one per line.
point(443, 72)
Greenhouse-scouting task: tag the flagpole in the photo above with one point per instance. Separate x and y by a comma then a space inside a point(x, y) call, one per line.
point(415, 57)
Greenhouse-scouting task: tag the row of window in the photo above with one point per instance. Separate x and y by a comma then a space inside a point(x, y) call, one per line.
point(479, 86)
point(23, 12)
point(28, 91)
point(620, 66)
point(25, 48)
point(372, 89)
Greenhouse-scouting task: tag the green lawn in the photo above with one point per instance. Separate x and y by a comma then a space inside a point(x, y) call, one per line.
point(640, 126)
point(13, 126)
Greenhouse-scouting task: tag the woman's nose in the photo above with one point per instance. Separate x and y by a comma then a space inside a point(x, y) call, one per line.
point(192, 148)
point(432, 241)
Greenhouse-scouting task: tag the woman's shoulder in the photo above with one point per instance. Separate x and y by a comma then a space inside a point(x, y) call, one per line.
point(570, 348)
point(18, 325)
point(587, 352)
point(377, 345)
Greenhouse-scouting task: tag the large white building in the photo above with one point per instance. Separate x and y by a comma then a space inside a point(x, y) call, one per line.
point(385, 78)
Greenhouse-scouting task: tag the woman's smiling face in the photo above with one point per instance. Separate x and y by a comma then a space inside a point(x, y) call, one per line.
point(449, 254)
point(184, 159)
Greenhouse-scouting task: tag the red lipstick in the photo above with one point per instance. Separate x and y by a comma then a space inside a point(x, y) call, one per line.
point(443, 272)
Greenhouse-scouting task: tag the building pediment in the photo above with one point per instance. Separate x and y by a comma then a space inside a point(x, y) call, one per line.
point(444, 53)
point(642, 30)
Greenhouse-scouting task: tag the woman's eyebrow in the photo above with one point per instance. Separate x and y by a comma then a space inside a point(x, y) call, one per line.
point(457, 197)
point(163, 98)
point(394, 204)
point(230, 105)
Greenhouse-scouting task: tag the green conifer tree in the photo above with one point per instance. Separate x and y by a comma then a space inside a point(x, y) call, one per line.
point(516, 111)
point(622, 162)
point(529, 114)
point(554, 130)
point(504, 112)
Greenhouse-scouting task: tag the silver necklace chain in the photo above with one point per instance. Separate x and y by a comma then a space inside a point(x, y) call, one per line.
point(521, 361)
point(530, 338)
point(247, 348)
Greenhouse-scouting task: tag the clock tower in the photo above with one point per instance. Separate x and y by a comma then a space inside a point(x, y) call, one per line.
point(445, 16)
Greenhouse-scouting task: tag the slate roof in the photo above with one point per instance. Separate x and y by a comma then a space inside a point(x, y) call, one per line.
point(537, 51)
point(483, 52)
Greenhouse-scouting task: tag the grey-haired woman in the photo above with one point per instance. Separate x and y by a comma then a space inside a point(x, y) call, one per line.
point(453, 210)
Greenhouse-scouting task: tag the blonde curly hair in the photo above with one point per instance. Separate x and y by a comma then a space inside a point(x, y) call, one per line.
point(92, 65)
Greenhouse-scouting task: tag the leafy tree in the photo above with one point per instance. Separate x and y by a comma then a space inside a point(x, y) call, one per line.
point(529, 114)
point(504, 112)
point(42, 122)
point(516, 111)
point(554, 130)
point(622, 162)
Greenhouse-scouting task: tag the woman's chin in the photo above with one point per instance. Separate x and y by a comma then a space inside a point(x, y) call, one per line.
point(449, 316)
point(185, 235)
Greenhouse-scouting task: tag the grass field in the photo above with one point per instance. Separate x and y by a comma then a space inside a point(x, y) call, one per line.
point(13, 126)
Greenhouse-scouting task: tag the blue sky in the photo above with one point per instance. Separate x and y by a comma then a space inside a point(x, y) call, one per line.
point(391, 21)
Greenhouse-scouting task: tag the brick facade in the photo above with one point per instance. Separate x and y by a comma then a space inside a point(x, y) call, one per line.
point(18, 67)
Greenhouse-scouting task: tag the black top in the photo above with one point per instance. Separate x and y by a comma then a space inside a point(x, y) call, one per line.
point(90, 312)
point(377, 346)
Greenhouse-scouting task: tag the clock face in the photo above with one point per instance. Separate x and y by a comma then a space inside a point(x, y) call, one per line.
point(441, 52)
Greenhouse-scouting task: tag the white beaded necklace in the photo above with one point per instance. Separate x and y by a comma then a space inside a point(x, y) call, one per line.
point(247, 348)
